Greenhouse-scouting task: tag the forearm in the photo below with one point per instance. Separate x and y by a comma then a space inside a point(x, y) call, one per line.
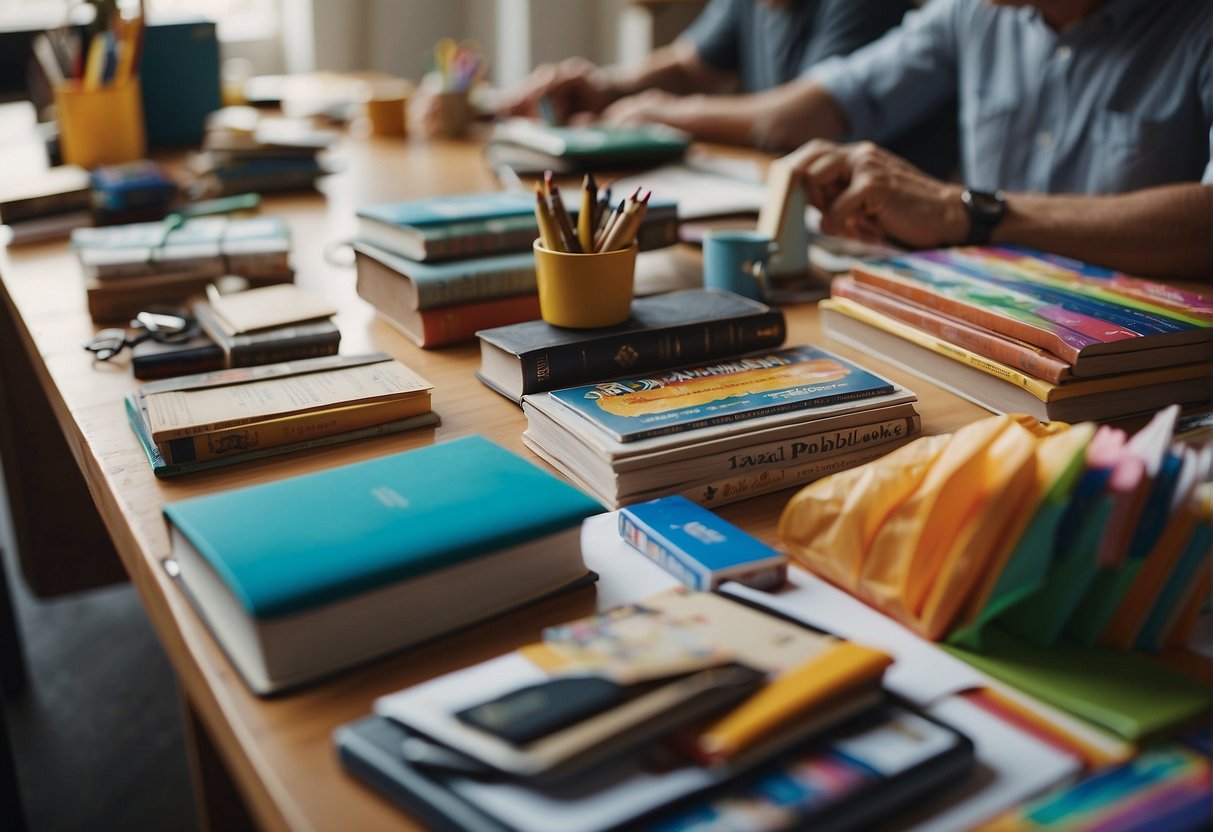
point(776, 120)
point(1163, 232)
point(675, 68)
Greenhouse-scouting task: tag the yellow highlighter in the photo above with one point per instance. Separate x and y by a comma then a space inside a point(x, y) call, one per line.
point(843, 668)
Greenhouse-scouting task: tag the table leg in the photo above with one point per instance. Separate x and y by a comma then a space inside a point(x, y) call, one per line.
point(221, 808)
point(62, 543)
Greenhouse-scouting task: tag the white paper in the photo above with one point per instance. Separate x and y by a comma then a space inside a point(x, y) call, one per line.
point(1011, 767)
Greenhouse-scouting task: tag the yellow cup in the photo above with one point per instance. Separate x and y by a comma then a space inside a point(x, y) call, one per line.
point(103, 126)
point(386, 105)
point(583, 291)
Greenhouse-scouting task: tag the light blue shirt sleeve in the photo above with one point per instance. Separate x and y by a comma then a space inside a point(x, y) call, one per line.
point(891, 84)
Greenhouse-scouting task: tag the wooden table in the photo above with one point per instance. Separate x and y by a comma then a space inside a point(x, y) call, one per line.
point(78, 481)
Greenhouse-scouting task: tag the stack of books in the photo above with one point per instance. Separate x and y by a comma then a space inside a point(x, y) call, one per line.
point(1015, 330)
point(720, 431)
point(751, 714)
point(201, 421)
point(527, 146)
point(43, 205)
point(128, 267)
point(441, 269)
point(243, 151)
point(1048, 555)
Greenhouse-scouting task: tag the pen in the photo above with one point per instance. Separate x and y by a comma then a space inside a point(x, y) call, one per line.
point(839, 669)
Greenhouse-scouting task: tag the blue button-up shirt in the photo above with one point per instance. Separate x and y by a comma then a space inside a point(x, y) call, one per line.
point(1119, 101)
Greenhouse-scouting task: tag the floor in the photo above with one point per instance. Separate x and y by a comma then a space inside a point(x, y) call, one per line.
point(97, 732)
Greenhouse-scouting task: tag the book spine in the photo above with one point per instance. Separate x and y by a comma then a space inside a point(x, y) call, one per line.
point(299, 427)
point(41, 206)
point(1031, 360)
point(568, 365)
point(1042, 390)
point(250, 351)
point(459, 323)
point(474, 285)
point(780, 454)
point(724, 490)
point(169, 365)
point(968, 312)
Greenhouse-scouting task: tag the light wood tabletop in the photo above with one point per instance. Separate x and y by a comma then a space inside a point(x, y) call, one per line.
point(70, 459)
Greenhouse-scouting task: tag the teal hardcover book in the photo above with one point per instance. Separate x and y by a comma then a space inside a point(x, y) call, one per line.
point(721, 392)
point(303, 576)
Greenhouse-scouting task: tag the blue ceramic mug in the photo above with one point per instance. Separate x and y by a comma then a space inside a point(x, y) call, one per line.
point(736, 260)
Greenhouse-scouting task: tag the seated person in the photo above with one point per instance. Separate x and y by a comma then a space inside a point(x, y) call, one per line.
point(737, 46)
point(1086, 130)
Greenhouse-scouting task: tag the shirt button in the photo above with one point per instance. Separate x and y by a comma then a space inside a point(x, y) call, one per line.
point(1044, 139)
point(1063, 53)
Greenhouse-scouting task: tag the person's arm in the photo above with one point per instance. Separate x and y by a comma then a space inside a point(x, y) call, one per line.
point(867, 192)
point(774, 120)
point(1166, 231)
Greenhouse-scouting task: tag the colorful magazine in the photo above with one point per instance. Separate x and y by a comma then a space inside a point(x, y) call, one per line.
point(1069, 310)
point(722, 392)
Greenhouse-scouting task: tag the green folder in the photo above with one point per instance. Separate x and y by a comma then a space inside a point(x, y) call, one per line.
point(1026, 568)
point(1124, 692)
point(1041, 618)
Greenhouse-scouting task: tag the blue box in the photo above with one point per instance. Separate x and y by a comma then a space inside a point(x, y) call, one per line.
point(699, 548)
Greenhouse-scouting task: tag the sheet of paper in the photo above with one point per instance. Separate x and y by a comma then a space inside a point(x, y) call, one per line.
point(1011, 767)
point(921, 673)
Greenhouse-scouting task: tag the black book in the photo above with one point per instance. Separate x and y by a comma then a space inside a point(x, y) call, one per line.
point(153, 359)
point(663, 331)
point(306, 339)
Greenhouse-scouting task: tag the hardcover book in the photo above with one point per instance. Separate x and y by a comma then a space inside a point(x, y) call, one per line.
point(419, 286)
point(265, 346)
point(589, 147)
point(302, 577)
point(393, 293)
point(477, 225)
point(722, 392)
point(663, 331)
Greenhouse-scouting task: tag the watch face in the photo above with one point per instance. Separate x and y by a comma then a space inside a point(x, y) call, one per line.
point(984, 204)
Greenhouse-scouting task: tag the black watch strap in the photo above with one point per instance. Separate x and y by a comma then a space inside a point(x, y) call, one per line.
point(986, 211)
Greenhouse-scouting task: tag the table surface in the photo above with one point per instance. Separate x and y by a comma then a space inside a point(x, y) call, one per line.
point(278, 750)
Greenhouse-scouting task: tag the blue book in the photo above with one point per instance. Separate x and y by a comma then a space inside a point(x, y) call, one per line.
point(722, 392)
point(475, 225)
point(699, 548)
point(302, 577)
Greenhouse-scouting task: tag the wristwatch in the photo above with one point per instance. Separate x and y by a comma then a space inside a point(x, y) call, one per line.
point(986, 211)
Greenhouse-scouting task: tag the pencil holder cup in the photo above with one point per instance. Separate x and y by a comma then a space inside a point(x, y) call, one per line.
point(737, 261)
point(454, 113)
point(102, 126)
point(584, 291)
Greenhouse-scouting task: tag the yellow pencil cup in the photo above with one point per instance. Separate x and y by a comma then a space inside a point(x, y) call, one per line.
point(103, 126)
point(583, 291)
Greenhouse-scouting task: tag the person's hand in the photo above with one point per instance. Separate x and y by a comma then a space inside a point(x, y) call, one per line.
point(648, 107)
point(866, 192)
point(572, 87)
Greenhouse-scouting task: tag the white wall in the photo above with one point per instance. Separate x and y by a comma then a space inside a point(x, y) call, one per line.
point(397, 36)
